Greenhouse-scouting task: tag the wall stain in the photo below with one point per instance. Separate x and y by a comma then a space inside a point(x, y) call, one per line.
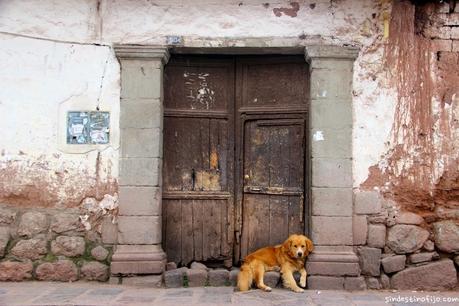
point(292, 12)
point(420, 171)
point(35, 182)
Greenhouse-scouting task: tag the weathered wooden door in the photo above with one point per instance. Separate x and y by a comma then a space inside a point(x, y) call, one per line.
point(234, 155)
point(272, 96)
point(198, 182)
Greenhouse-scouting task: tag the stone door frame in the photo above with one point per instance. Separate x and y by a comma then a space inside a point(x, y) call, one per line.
point(139, 248)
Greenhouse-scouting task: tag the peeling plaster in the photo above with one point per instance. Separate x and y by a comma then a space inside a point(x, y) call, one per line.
point(62, 54)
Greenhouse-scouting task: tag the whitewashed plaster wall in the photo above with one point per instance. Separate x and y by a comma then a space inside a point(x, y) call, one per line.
point(56, 55)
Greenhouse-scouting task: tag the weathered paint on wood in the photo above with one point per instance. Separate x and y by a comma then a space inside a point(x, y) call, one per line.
point(234, 154)
point(198, 159)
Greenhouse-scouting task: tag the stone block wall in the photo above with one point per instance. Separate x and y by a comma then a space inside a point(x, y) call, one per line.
point(54, 245)
point(402, 250)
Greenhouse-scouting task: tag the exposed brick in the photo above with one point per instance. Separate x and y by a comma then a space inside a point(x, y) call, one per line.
point(438, 32)
point(442, 7)
point(455, 33)
point(441, 45)
point(449, 19)
point(455, 45)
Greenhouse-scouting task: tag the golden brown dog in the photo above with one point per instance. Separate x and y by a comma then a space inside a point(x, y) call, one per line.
point(289, 256)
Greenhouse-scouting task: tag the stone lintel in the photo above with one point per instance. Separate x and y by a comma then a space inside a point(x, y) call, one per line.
point(142, 52)
point(330, 52)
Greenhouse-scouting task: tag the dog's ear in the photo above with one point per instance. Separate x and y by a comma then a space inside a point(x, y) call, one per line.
point(286, 245)
point(309, 245)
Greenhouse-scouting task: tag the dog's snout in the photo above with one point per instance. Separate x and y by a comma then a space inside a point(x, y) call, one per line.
point(300, 254)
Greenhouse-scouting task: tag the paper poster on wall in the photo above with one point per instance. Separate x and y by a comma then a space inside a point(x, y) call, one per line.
point(88, 127)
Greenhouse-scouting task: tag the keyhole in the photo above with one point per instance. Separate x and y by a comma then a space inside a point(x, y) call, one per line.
point(193, 179)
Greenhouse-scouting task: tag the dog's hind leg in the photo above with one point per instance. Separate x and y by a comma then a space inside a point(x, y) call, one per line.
point(259, 274)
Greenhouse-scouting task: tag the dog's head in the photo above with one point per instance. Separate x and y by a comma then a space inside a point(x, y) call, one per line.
point(298, 246)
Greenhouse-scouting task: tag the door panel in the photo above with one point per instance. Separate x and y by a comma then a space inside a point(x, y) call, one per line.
point(273, 192)
point(274, 82)
point(198, 159)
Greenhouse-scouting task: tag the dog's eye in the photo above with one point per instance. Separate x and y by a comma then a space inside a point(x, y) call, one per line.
point(302, 246)
point(294, 246)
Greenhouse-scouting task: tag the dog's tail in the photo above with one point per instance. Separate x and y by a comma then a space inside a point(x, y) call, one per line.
point(244, 278)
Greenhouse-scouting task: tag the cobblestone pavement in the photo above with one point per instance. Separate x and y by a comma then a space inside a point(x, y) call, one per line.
point(46, 293)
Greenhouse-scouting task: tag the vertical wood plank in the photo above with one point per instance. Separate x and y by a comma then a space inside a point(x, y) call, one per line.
point(295, 225)
point(278, 225)
point(198, 224)
point(258, 221)
point(187, 231)
point(174, 230)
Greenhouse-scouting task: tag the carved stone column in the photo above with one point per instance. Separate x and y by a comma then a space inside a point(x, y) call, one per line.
point(139, 248)
point(331, 178)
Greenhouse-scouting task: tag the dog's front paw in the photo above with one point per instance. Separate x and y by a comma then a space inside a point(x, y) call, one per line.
point(298, 290)
point(303, 283)
point(268, 289)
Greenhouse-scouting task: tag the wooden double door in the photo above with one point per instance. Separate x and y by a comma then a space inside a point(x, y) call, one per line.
point(234, 166)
